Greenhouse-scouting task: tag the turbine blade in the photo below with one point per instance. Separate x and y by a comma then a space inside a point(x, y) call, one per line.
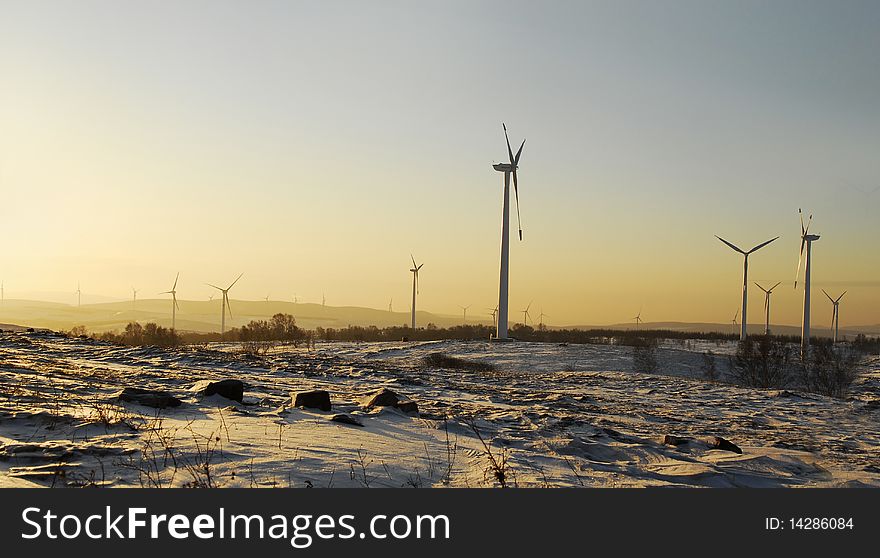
point(801, 215)
point(175, 281)
point(828, 295)
point(228, 306)
point(516, 195)
point(518, 153)
point(174, 298)
point(509, 150)
point(760, 287)
point(841, 296)
point(759, 246)
point(729, 244)
point(800, 258)
point(234, 282)
point(420, 267)
point(215, 286)
point(413, 260)
point(776, 285)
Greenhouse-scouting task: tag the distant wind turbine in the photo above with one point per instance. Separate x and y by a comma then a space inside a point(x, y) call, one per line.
point(494, 314)
point(541, 318)
point(526, 314)
point(390, 302)
point(807, 240)
point(78, 296)
point(224, 304)
point(508, 169)
point(266, 298)
point(638, 318)
point(835, 316)
point(174, 307)
point(323, 300)
point(415, 271)
point(464, 310)
point(745, 287)
point(134, 298)
point(767, 293)
point(735, 316)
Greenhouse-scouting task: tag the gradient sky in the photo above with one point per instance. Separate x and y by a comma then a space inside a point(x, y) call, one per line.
point(314, 145)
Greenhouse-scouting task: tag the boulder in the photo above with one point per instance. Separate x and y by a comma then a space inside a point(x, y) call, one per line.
point(149, 397)
point(671, 440)
point(315, 399)
point(382, 398)
point(230, 389)
point(717, 442)
point(346, 419)
point(387, 398)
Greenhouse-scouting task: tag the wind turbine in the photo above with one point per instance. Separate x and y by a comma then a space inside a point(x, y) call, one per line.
point(174, 307)
point(835, 316)
point(266, 298)
point(323, 300)
point(390, 302)
point(526, 314)
point(224, 304)
point(735, 316)
point(745, 289)
point(494, 314)
point(806, 240)
point(415, 271)
point(767, 293)
point(508, 169)
point(541, 319)
point(134, 298)
point(638, 318)
point(78, 296)
point(464, 310)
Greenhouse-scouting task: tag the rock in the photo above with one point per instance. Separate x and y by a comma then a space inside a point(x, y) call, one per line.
point(671, 440)
point(387, 398)
point(315, 399)
point(382, 398)
point(408, 407)
point(717, 442)
point(346, 419)
point(230, 389)
point(149, 397)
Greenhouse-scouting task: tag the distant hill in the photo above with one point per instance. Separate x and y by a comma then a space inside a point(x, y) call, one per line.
point(204, 316)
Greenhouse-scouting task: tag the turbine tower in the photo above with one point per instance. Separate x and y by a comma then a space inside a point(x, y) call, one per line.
point(134, 298)
point(224, 304)
point(745, 289)
point(508, 169)
point(767, 293)
point(174, 307)
point(78, 296)
point(807, 240)
point(464, 310)
point(415, 271)
point(835, 316)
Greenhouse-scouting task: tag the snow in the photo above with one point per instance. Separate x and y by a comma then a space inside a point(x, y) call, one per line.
point(551, 415)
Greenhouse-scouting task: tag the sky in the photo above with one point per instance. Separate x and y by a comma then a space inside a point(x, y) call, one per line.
point(313, 146)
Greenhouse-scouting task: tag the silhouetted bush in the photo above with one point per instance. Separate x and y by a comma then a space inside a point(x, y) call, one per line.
point(710, 368)
point(137, 335)
point(644, 354)
point(762, 361)
point(829, 369)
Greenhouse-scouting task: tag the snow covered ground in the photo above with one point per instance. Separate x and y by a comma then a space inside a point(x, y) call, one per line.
point(550, 415)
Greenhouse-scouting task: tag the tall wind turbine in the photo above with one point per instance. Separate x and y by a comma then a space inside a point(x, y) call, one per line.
point(541, 319)
point(807, 240)
point(494, 315)
point(735, 316)
point(767, 293)
point(174, 307)
point(526, 314)
point(134, 298)
point(745, 289)
point(390, 302)
point(224, 304)
point(78, 296)
point(415, 271)
point(835, 316)
point(464, 310)
point(508, 169)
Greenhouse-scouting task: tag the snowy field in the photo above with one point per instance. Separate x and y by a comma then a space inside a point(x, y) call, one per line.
point(548, 415)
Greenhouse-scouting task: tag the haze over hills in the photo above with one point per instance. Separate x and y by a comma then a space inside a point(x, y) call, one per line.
point(204, 316)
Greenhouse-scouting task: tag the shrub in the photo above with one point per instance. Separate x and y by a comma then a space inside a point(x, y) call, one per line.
point(441, 360)
point(762, 362)
point(829, 370)
point(644, 354)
